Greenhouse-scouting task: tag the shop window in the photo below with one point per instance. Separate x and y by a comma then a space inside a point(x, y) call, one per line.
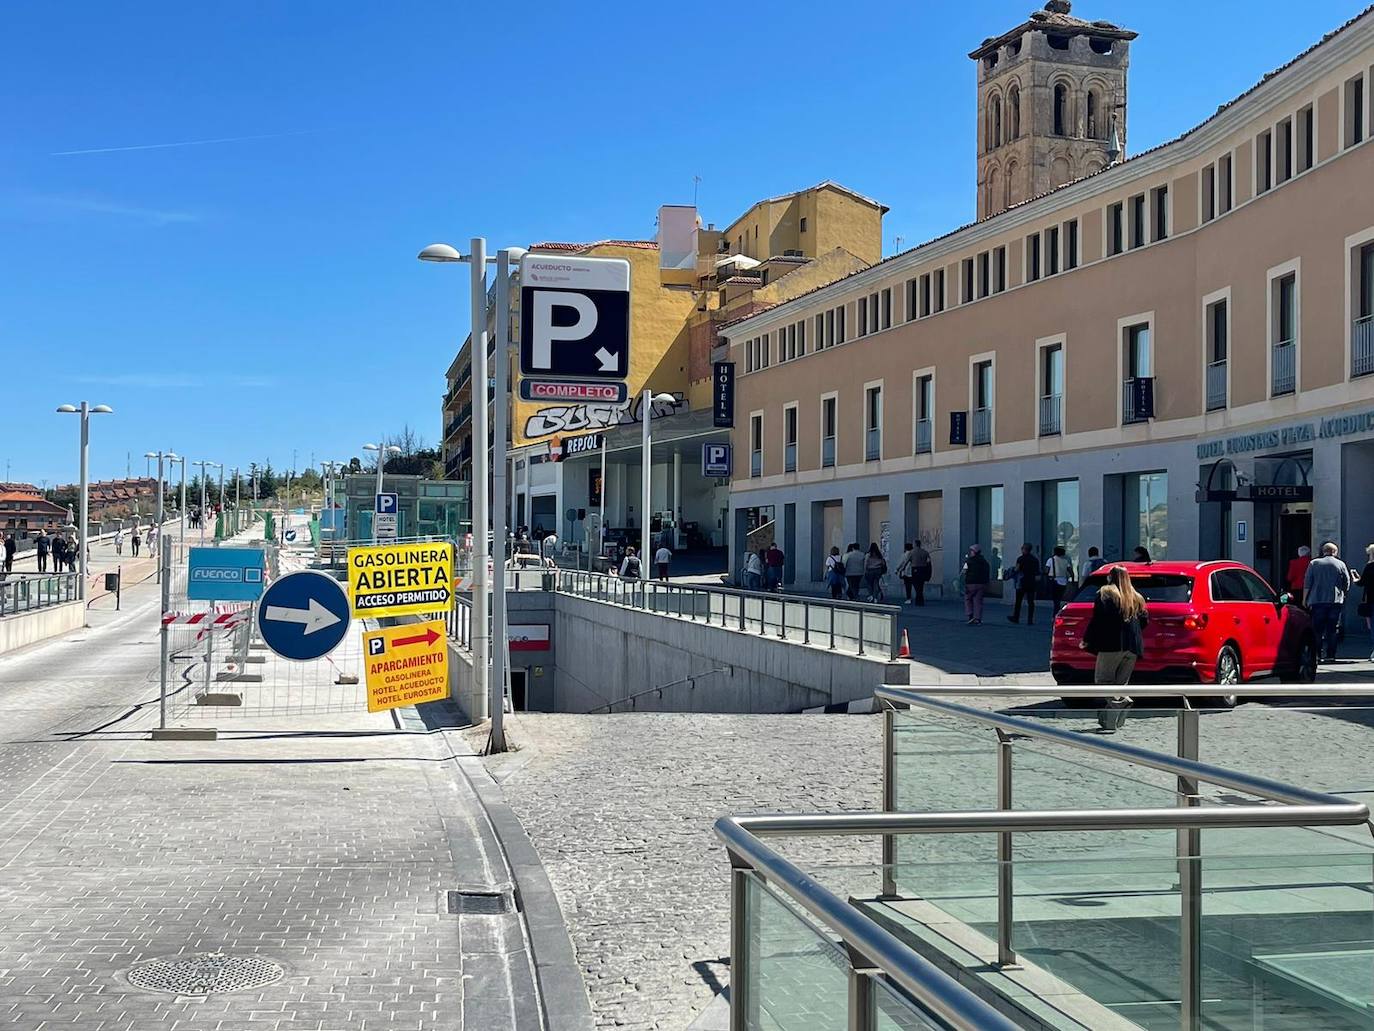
point(1059, 520)
point(1145, 508)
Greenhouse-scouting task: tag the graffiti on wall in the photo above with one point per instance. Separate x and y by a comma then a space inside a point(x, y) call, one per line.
point(574, 418)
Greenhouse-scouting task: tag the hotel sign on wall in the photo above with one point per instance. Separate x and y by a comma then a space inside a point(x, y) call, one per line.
point(1289, 436)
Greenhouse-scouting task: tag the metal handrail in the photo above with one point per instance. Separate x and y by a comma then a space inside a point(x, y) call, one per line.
point(632, 593)
point(873, 947)
point(29, 592)
point(1262, 787)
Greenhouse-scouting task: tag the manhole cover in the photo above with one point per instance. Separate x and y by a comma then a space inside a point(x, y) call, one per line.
point(480, 903)
point(205, 973)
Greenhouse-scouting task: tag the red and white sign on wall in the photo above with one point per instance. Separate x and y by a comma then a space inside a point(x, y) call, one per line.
point(528, 637)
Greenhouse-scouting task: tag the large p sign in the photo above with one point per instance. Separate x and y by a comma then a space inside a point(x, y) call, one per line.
point(546, 303)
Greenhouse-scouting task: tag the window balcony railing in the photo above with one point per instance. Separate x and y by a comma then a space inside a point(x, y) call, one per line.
point(1216, 385)
point(982, 426)
point(925, 436)
point(827, 452)
point(756, 463)
point(1051, 414)
point(1137, 404)
point(873, 445)
point(1285, 367)
point(789, 458)
point(1362, 346)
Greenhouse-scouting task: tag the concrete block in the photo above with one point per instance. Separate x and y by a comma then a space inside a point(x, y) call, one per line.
point(184, 734)
point(245, 678)
point(219, 698)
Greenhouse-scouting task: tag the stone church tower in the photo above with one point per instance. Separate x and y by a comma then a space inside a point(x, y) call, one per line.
point(1051, 105)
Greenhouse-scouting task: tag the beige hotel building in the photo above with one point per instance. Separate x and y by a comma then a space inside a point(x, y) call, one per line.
point(1174, 349)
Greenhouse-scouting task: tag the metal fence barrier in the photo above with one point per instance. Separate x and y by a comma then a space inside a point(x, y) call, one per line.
point(28, 593)
point(879, 961)
point(851, 627)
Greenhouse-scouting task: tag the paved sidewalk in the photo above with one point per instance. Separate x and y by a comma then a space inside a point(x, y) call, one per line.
point(322, 845)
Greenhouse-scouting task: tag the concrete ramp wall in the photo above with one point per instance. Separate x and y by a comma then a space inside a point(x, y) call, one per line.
point(25, 628)
point(607, 654)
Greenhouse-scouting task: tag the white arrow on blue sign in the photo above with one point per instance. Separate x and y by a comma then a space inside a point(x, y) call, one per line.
point(303, 616)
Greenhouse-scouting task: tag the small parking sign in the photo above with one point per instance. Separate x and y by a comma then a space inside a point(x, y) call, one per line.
point(715, 460)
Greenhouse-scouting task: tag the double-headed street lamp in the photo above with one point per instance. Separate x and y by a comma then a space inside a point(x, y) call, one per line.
point(161, 456)
point(203, 463)
point(382, 451)
point(483, 646)
point(85, 411)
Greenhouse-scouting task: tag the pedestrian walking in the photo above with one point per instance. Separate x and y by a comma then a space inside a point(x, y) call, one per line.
point(11, 546)
point(134, 540)
point(662, 557)
point(1026, 577)
point(906, 574)
point(1324, 586)
point(69, 552)
point(773, 561)
point(1116, 635)
point(1366, 608)
point(977, 573)
point(921, 573)
point(875, 568)
point(1059, 569)
point(119, 540)
point(834, 573)
point(629, 567)
point(152, 539)
point(59, 549)
point(1095, 561)
point(753, 571)
point(42, 547)
point(853, 571)
point(1297, 572)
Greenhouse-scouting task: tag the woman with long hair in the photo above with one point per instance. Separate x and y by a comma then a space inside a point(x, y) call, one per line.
point(1115, 634)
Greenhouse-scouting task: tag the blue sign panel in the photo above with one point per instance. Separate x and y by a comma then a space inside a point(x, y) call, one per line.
point(716, 460)
point(388, 504)
point(723, 391)
point(224, 574)
point(303, 616)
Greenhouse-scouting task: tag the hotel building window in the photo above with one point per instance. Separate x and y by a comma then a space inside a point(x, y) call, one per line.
point(829, 422)
point(1218, 348)
point(1116, 229)
point(925, 414)
point(1284, 334)
point(756, 445)
point(873, 423)
point(1051, 389)
point(789, 439)
point(982, 403)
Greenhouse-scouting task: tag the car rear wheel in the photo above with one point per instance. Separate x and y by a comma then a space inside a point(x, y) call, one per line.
point(1304, 669)
point(1227, 666)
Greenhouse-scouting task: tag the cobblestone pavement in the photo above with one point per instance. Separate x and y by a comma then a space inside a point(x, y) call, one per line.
point(325, 844)
point(620, 808)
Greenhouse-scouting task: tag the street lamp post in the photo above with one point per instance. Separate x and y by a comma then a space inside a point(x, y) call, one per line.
point(203, 463)
point(181, 509)
point(383, 449)
point(86, 411)
point(645, 411)
point(483, 685)
point(160, 456)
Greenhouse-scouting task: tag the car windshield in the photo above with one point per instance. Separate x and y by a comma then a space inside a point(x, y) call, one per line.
point(1160, 587)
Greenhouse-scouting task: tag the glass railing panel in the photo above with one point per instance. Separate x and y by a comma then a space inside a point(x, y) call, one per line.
point(796, 979)
point(892, 1011)
point(1288, 942)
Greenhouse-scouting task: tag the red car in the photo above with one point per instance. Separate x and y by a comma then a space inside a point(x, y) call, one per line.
point(1210, 623)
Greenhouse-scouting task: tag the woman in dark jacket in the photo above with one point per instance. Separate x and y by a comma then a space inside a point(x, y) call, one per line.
point(1115, 634)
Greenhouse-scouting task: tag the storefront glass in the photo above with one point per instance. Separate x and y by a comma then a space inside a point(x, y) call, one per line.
point(1059, 519)
point(1146, 507)
point(990, 523)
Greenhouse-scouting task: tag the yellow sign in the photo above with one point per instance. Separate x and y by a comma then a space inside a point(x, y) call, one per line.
point(406, 665)
point(400, 579)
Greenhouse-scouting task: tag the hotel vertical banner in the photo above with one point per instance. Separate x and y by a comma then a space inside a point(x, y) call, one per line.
point(723, 380)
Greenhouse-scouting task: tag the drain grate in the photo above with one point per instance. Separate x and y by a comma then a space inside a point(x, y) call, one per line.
point(206, 973)
point(480, 903)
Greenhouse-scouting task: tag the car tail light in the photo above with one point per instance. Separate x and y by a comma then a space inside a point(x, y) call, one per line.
point(1195, 621)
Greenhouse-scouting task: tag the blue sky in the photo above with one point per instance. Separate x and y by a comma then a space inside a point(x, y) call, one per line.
point(238, 300)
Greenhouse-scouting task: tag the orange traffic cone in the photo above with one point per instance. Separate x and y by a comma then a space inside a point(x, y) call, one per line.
point(904, 652)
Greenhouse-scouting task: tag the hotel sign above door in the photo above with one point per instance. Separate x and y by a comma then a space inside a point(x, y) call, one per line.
point(1288, 436)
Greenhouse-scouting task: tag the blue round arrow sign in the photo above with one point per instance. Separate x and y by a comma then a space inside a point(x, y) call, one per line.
point(303, 615)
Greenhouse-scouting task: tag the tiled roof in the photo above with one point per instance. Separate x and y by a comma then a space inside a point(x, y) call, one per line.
point(1092, 175)
point(18, 497)
point(644, 245)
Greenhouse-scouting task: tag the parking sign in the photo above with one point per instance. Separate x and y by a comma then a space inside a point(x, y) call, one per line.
point(385, 514)
point(715, 460)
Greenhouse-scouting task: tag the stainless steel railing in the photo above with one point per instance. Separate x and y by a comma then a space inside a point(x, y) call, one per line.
point(1285, 367)
point(849, 627)
point(1216, 385)
point(874, 952)
point(1362, 346)
point(982, 426)
point(29, 593)
point(1051, 406)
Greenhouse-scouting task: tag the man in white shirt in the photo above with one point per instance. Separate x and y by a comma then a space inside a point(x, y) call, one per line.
point(661, 559)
